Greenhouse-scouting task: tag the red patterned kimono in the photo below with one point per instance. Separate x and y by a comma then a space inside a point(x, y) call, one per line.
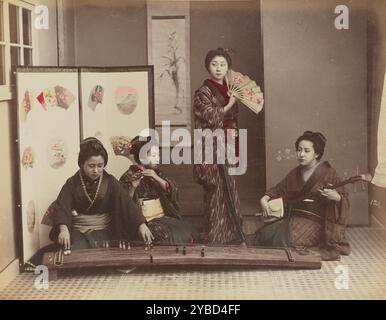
point(220, 197)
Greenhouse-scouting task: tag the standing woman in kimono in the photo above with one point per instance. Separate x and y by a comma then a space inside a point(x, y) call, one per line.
point(157, 195)
point(316, 216)
point(214, 109)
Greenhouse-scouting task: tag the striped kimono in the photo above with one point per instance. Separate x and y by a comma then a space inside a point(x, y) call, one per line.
point(221, 200)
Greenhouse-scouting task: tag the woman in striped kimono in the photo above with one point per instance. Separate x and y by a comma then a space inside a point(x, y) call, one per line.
point(214, 109)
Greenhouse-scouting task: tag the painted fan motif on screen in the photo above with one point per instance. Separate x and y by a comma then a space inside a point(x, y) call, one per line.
point(64, 97)
point(26, 105)
point(57, 96)
point(121, 145)
point(96, 96)
point(245, 90)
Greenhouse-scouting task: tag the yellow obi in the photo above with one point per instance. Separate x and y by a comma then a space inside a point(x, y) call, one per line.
point(151, 208)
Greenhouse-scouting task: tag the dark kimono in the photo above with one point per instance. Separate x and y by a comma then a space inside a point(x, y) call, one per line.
point(221, 200)
point(111, 199)
point(310, 220)
point(169, 229)
point(124, 215)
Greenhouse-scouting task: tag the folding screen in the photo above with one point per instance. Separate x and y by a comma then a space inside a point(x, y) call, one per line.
point(48, 129)
point(117, 104)
point(57, 107)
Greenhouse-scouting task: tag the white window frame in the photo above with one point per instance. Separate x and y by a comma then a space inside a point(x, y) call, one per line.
point(7, 91)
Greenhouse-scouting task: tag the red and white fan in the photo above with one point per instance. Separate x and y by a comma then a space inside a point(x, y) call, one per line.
point(245, 90)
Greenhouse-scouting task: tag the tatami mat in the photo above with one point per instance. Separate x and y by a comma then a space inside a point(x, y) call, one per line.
point(366, 280)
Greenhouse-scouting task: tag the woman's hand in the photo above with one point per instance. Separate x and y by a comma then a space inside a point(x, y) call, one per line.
point(330, 194)
point(265, 206)
point(64, 238)
point(135, 183)
point(150, 173)
point(232, 101)
point(145, 233)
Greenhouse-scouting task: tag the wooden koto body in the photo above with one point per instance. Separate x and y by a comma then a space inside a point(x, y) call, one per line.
point(185, 256)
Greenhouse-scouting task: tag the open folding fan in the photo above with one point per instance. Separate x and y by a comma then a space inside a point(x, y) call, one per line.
point(121, 145)
point(245, 90)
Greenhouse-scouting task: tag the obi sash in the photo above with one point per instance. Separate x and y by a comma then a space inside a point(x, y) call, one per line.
point(309, 208)
point(151, 208)
point(91, 222)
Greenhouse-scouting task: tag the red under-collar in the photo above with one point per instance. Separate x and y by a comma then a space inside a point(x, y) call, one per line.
point(223, 88)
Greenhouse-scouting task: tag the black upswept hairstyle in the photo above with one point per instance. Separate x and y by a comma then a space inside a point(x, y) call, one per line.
point(136, 146)
point(91, 147)
point(217, 52)
point(318, 140)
